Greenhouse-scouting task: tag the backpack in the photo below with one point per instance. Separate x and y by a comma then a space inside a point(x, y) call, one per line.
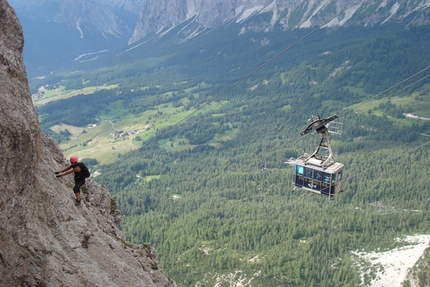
point(84, 169)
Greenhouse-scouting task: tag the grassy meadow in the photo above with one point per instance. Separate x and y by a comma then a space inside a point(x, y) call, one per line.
point(417, 102)
point(61, 93)
point(118, 132)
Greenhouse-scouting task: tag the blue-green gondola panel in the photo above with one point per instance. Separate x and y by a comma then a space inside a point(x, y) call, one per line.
point(314, 180)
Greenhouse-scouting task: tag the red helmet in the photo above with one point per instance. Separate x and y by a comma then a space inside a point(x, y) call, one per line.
point(73, 159)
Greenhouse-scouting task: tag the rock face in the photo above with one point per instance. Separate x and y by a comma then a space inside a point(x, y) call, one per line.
point(159, 16)
point(119, 18)
point(45, 239)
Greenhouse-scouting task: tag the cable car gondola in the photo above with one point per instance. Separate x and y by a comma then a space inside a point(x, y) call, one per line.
point(319, 173)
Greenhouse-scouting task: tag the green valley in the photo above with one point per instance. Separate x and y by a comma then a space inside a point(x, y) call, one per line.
point(192, 141)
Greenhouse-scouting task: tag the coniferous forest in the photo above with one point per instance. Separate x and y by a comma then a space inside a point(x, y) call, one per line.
point(229, 208)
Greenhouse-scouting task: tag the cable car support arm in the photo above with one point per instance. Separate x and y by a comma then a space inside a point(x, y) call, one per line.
point(321, 127)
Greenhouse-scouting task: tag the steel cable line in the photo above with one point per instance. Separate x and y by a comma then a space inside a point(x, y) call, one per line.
point(348, 111)
point(385, 91)
point(395, 85)
point(250, 73)
point(371, 98)
point(265, 64)
point(203, 182)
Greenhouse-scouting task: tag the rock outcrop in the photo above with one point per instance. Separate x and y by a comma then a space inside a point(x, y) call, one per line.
point(45, 239)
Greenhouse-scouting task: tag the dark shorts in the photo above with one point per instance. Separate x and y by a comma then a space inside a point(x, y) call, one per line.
point(78, 183)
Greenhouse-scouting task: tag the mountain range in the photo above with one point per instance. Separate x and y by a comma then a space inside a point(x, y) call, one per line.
point(59, 33)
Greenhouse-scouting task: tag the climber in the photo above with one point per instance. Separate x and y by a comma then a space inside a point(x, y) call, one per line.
point(75, 167)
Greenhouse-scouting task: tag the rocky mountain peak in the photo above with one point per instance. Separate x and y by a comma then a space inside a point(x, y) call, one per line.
point(158, 16)
point(46, 239)
point(80, 31)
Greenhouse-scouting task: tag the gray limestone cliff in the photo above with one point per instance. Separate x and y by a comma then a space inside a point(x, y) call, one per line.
point(45, 239)
point(160, 16)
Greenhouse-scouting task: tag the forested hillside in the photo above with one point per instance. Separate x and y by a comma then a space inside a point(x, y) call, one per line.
point(213, 194)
